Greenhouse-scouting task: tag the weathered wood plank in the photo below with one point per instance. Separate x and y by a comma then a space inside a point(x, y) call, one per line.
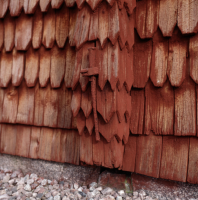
point(174, 162)
point(15, 7)
point(17, 67)
point(56, 3)
point(56, 145)
point(23, 31)
point(44, 5)
point(31, 67)
point(25, 112)
point(73, 18)
point(90, 123)
point(98, 151)
point(76, 101)
point(30, 6)
point(93, 28)
point(80, 122)
point(148, 155)
point(4, 8)
point(1, 34)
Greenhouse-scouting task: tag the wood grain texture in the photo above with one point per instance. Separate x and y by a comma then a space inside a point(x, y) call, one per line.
point(159, 110)
point(159, 59)
point(130, 31)
point(73, 20)
point(148, 155)
point(174, 160)
point(8, 139)
point(129, 155)
point(17, 67)
point(80, 122)
point(23, 137)
point(25, 112)
point(76, 101)
point(23, 31)
point(50, 107)
point(86, 155)
point(49, 29)
point(130, 5)
point(2, 93)
point(62, 26)
point(185, 109)
point(44, 5)
point(15, 7)
point(93, 3)
point(70, 3)
point(93, 27)
point(90, 123)
point(45, 66)
point(1, 34)
point(4, 8)
point(178, 49)
point(9, 32)
point(56, 145)
point(137, 111)
point(57, 71)
point(98, 151)
point(30, 6)
point(10, 104)
point(141, 63)
point(167, 16)
point(187, 16)
point(5, 68)
point(56, 3)
point(37, 30)
point(34, 142)
point(31, 67)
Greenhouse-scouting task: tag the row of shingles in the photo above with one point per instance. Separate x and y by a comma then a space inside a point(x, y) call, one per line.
point(160, 58)
point(166, 14)
point(79, 26)
point(37, 106)
point(58, 145)
point(29, 6)
point(166, 157)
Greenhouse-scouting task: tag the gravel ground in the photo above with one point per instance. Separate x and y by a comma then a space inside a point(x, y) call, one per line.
point(14, 185)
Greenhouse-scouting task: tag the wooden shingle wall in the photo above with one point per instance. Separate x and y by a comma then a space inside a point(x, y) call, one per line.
point(146, 91)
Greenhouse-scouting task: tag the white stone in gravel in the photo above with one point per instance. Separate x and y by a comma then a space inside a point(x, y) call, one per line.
point(21, 181)
point(48, 195)
point(106, 191)
point(80, 189)
point(20, 187)
point(121, 193)
point(27, 187)
point(30, 181)
point(109, 197)
point(11, 181)
point(99, 188)
point(34, 194)
point(44, 182)
point(56, 186)
point(91, 189)
point(27, 177)
point(50, 198)
point(6, 178)
point(2, 192)
point(57, 197)
point(32, 198)
point(49, 181)
point(76, 186)
point(93, 184)
point(34, 176)
point(4, 196)
point(143, 193)
point(55, 193)
point(118, 198)
point(138, 198)
point(65, 198)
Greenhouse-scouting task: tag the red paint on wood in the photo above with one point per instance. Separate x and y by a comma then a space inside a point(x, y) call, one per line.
point(126, 132)
point(9, 32)
point(44, 5)
point(17, 67)
point(80, 3)
point(45, 145)
point(130, 31)
point(129, 155)
point(30, 6)
point(76, 101)
point(141, 63)
point(37, 31)
point(62, 26)
point(4, 8)
point(110, 2)
point(2, 92)
point(50, 107)
point(45, 66)
point(174, 162)
point(23, 31)
point(1, 34)
point(93, 28)
point(8, 138)
point(90, 123)
point(93, 3)
point(148, 156)
point(72, 147)
point(5, 68)
point(81, 122)
point(10, 104)
point(159, 110)
point(70, 3)
point(56, 145)
point(56, 3)
point(98, 151)
point(178, 48)
point(49, 27)
point(159, 59)
point(63, 144)
point(57, 71)
point(39, 101)
point(167, 16)
point(15, 7)
point(86, 148)
point(23, 136)
point(130, 5)
point(31, 67)
point(137, 111)
point(107, 155)
point(34, 142)
point(103, 24)
point(25, 112)
point(73, 18)
point(106, 102)
point(70, 65)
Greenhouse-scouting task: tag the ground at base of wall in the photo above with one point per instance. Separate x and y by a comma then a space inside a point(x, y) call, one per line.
point(65, 181)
